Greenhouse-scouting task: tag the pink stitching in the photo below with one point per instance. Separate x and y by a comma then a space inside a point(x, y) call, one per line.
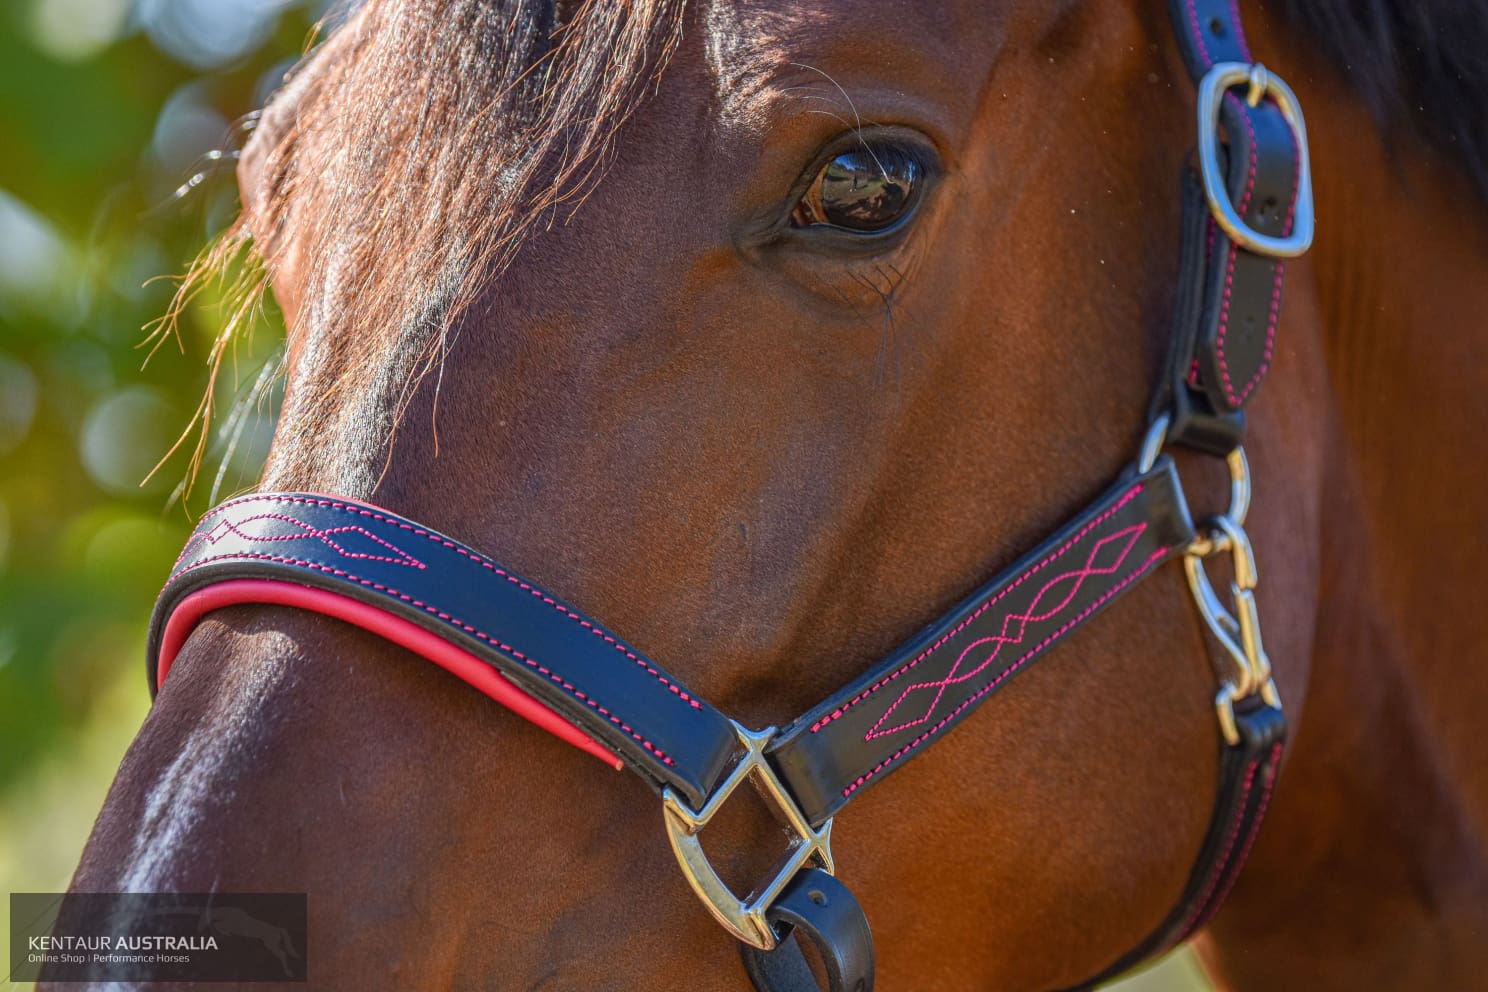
point(1130, 495)
point(1255, 830)
point(456, 621)
point(1277, 269)
point(1267, 351)
point(478, 559)
point(1005, 674)
point(1224, 307)
point(1198, 33)
point(225, 527)
point(953, 677)
point(1193, 20)
point(1239, 30)
point(1224, 857)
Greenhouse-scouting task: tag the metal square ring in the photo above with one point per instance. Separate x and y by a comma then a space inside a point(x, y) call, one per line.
point(745, 918)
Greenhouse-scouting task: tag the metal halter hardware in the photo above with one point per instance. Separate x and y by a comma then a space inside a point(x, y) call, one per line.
point(1262, 82)
point(1238, 632)
point(524, 647)
point(745, 918)
point(1240, 635)
point(1237, 629)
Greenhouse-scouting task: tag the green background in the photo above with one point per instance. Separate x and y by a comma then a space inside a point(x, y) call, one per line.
point(107, 108)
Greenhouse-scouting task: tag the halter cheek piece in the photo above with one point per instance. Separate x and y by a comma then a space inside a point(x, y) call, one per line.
point(1248, 207)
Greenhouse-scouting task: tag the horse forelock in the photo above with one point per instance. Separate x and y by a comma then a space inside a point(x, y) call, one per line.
point(409, 157)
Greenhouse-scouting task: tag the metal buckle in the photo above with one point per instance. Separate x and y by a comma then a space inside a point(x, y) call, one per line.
point(1239, 633)
point(1212, 88)
point(745, 918)
point(1156, 439)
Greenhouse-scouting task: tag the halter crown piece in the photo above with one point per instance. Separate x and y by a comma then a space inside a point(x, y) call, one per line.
point(1246, 209)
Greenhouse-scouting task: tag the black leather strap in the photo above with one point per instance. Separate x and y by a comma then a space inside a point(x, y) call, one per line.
point(1247, 775)
point(608, 688)
point(1229, 297)
point(817, 907)
point(889, 714)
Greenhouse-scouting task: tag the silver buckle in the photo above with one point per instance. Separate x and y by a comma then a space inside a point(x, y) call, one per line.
point(745, 918)
point(1212, 88)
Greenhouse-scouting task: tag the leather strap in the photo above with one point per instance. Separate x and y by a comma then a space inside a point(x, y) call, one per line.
point(434, 595)
point(1247, 775)
point(816, 907)
point(1229, 298)
point(936, 679)
point(575, 666)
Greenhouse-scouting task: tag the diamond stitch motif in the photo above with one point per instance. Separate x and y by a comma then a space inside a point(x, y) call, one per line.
point(1113, 548)
point(226, 527)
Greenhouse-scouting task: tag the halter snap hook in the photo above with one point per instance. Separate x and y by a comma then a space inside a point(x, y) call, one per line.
point(1238, 632)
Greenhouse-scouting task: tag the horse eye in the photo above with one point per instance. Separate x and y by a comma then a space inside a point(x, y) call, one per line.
point(867, 189)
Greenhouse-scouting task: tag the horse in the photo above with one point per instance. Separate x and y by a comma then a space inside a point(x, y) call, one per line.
point(600, 289)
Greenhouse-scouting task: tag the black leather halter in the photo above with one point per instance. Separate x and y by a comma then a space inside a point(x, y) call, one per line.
point(1245, 210)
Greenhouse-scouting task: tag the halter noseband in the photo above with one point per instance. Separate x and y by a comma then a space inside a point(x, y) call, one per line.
point(1248, 207)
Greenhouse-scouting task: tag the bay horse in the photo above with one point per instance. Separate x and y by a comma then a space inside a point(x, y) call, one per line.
point(597, 287)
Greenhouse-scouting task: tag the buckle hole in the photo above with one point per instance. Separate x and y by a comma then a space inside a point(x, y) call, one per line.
point(817, 896)
point(1216, 27)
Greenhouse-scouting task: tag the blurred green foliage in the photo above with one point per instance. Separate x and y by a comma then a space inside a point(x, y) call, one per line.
point(106, 108)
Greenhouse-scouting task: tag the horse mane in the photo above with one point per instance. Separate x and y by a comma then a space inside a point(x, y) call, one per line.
point(1421, 66)
point(404, 162)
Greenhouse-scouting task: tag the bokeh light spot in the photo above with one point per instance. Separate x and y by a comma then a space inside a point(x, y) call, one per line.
point(17, 402)
point(209, 33)
point(4, 536)
point(77, 30)
point(123, 437)
point(33, 258)
point(187, 128)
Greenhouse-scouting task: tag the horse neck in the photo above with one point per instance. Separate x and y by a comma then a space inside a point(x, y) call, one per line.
point(1373, 872)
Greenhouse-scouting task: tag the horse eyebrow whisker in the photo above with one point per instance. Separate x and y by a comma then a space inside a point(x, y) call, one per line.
point(858, 128)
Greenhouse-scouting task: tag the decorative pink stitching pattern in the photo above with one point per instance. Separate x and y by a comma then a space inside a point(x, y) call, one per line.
point(1198, 918)
point(552, 676)
point(1125, 539)
point(944, 639)
point(1006, 673)
point(224, 527)
point(477, 559)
